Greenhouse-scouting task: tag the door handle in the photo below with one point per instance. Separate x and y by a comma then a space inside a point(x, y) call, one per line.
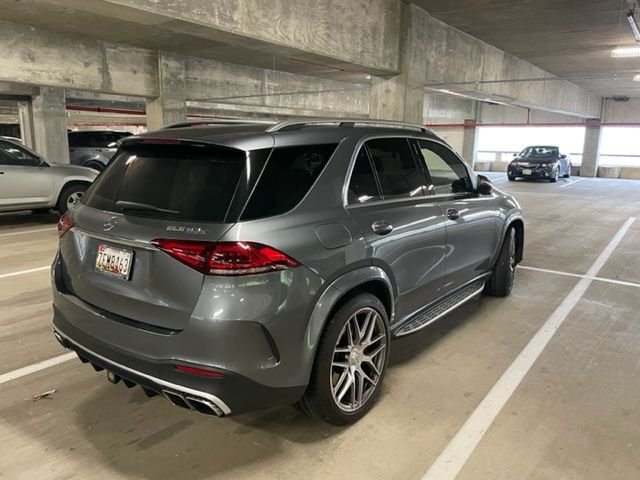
point(453, 214)
point(381, 228)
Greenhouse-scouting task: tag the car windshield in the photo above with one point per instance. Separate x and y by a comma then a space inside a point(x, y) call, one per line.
point(539, 152)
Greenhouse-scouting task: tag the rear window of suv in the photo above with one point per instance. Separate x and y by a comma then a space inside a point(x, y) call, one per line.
point(178, 182)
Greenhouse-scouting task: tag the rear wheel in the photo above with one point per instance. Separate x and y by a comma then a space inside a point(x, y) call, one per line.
point(501, 281)
point(71, 194)
point(350, 363)
point(568, 174)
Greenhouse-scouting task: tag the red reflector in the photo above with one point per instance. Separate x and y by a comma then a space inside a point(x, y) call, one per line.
point(64, 224)
point(199, 371)
point(226, 258)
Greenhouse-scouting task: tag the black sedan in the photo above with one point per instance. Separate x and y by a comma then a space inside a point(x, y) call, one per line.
point(542, 162)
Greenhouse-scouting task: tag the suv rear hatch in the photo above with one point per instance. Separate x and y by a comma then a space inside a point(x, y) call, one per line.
point(172, 190)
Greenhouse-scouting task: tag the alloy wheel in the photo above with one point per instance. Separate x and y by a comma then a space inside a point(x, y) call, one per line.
point(359, 358)
point(73, 199)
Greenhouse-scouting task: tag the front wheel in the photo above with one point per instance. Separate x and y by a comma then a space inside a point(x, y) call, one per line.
point(350, 363)
point(501, 281)
point(556, 175)
point(511, 178)
point(69, 197)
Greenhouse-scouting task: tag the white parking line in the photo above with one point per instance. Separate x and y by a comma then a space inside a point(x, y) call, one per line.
point(457, 452)
point(23, 232)
point(36, 367)
point(576, 275)
point(23, 272)
point(571, 183)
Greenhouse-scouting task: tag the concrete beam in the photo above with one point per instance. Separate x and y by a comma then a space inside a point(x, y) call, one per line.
point(214, 82)
point(459, 62)
point(353, 35)
point(41, 57)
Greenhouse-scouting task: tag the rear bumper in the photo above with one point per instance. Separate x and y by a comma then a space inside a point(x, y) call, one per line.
point(254, 373)
point(229, 394)
point(189, 398)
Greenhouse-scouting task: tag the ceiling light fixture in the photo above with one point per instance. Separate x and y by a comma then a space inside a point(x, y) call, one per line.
point(626, 52)
point(636, 78)
point(634, 24)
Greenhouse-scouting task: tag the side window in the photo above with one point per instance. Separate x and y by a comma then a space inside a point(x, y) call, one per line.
point(79, 140)
point(396, 168)
point(362, 186)
point(448, 172)
point(286, 179)
point(11, 154)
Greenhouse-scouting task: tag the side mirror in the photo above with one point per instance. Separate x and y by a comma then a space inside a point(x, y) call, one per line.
point(563, 156)
point(485, 187)
point(515, 154)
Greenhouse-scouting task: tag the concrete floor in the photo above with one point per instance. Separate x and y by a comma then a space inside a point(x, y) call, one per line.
point(574, 416)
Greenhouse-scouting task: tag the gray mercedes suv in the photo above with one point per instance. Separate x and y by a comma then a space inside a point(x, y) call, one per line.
point(231, 268)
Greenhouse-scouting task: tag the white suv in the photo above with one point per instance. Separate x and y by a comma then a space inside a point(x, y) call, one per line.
point(29, 182)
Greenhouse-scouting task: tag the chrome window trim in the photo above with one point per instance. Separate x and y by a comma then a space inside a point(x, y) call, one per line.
point(429, 188)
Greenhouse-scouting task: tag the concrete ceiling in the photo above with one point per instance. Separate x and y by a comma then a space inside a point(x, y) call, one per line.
point(119, 26)
point(570, 38)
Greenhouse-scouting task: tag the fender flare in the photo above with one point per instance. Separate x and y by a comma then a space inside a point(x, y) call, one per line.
point(330, 297)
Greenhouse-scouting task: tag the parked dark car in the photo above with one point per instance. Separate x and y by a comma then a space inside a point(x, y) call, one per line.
point(232, 268)
point(94, 149)
point(543, 162)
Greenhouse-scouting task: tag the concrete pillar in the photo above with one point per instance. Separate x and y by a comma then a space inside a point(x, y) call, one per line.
point(171, 105)
point(402, 97)
point(470, 142)
point(25, 114)
point(591, 150)
point(50, 124)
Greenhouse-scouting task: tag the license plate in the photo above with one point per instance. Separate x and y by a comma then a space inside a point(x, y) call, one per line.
point(526, 172)
point(114, 261)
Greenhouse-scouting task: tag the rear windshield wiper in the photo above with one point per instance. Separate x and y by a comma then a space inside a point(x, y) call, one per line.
point(143, 207)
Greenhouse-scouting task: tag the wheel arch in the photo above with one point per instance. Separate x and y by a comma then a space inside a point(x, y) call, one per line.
point(70, 183)
point(370, 279)
point(518, 225)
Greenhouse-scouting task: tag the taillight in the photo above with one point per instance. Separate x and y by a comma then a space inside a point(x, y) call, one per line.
point(226, 258)
point(64, 224)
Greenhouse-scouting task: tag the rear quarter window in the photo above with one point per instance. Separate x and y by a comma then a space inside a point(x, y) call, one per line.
point(286, 179)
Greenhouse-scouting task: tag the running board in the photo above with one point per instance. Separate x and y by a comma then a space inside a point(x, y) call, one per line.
point(440, 309)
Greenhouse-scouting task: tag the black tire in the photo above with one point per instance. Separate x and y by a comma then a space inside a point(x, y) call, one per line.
point(69, 195)
point(501, 281)
point(318, 401)
point(568, 174)
point(511, 178)
point(556, 175)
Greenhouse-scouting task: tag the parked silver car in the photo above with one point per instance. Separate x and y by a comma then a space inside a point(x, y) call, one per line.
point(230, 268)
point(94, 148)
point(29, 182)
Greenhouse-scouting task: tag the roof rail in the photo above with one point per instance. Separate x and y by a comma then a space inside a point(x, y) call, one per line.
point(218, 121)
point(343, 122)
